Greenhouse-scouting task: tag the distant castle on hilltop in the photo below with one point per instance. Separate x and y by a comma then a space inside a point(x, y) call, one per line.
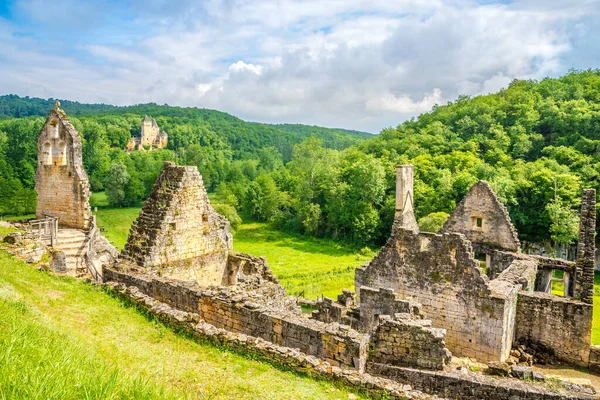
point(151, 136)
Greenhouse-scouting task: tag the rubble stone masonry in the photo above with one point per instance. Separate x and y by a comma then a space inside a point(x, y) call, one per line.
point(441, 273)
point(409, 342)
point(178, 234)
point(483, 219)
point(560, 324)
point(586, 248)
point(61, 183)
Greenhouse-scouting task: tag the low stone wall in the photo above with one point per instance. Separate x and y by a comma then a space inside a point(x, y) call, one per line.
point(560, 324)
point(260, 316)
point(191, 323)
point(406, 384)
point(409, 342)
point(382, 301)
point(474, 386)
point(594, 364)
point(241, 266)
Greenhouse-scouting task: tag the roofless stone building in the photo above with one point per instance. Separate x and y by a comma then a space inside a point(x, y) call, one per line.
point(60, 181)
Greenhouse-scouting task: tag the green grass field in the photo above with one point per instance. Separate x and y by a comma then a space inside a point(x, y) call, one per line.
point(65, 339)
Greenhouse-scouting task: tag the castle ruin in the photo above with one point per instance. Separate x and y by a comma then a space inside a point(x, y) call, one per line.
point(423, 300)
point(61, 183)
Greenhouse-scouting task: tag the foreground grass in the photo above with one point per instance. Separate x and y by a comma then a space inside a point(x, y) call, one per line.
point(63, 339)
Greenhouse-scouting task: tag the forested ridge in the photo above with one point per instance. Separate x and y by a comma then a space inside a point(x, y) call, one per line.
point(537, 144)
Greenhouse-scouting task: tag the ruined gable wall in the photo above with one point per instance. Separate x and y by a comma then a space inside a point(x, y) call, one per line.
point(178, 234)
point(440, 273)
point(496, 229)
point(561, 324)
point(61, 183)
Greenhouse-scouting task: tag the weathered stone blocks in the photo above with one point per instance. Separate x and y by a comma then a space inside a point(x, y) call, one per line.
point(178, 234)
point(61, 183)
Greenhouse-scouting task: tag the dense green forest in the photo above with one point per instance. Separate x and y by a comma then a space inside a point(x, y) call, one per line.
point(537, 143)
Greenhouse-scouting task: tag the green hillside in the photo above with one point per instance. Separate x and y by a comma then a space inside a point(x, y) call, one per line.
point(537, 143)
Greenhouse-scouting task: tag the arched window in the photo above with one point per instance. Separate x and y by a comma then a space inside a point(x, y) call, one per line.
point(61, 154)
point(46, 154)
point(53, 129)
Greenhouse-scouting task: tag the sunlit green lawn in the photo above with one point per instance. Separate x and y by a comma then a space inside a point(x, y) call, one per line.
point(65, 339)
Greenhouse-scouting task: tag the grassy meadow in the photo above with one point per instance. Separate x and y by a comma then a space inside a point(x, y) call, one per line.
point(65, 339)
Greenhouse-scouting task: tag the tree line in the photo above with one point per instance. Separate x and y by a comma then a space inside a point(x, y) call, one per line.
point(536, 142)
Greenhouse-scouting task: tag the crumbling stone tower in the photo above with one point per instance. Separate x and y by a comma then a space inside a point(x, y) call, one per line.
point(178, 234)
point(405, 217)
point(586, 248)
point(60, 181)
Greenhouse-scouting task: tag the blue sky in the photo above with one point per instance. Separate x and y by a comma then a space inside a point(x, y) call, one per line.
point(358, 64)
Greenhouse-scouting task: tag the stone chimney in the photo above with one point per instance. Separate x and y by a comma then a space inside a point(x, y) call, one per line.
point(586, 248)
point(405, 216)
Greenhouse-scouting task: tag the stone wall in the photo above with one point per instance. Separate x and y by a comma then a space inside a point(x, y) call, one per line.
point(264, 314)
point(594, 364)
point(463, 385)
point(178, 234)
point(378, 302)
point(409, 342)
point(474, 386)
point(61, 183)
point(560, 324)
point(586, 248)
point(482, 218)
point(441, 273)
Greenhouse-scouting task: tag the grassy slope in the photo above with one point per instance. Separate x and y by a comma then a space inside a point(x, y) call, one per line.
point(63, 339)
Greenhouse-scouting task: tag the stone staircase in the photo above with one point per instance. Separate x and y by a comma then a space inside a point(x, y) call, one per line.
point(73, 243)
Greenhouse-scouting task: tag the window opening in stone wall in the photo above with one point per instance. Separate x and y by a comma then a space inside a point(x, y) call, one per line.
point(62, 154)
point(477, 223)
point(204, 217)
point(173, 226)
point(53, 129)
point(482, 258)
point(558, 282)
point(47, 154)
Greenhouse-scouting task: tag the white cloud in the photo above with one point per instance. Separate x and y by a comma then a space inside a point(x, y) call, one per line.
point(352, 63)
point(241, 66)
point(404, 104)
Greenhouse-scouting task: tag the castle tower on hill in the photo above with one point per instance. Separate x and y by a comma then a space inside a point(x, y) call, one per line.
point(151, 137)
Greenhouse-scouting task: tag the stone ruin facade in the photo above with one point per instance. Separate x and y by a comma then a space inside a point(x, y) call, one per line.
point(421, 300)
point(151, 136)
point(65, 229)
point(178, 234)
point(485, 312)
point(61, 183)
